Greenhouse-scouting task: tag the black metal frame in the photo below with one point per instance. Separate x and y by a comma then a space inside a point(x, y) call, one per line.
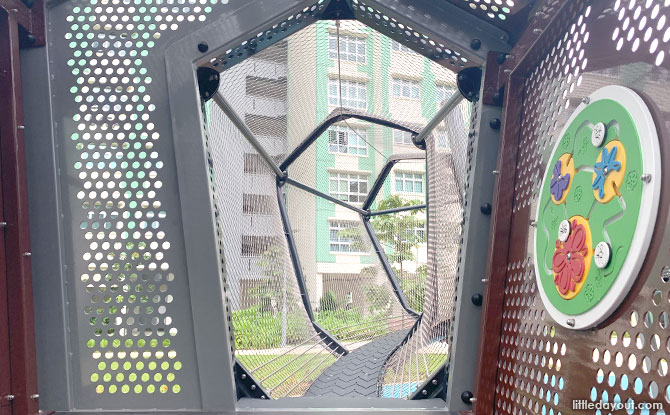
point(327, 338)
point(247, 385)
point(337, 115)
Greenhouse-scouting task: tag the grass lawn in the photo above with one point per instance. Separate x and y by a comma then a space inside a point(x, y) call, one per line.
point(296, 369)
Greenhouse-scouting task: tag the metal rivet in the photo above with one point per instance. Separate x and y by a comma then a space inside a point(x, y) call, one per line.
point(496, 172)
point(476, 44)
point(564, 230)
point(27, 254)
point(646, 177)
point(21, 127)
point(34, 396)
point(203, 47)
point(253, 387)
point(424, 392)
point(477, 299)
point(570, 322)
point(467, 397)
point(9, 397)
point(473, 400)
point(434, 382)
point(485, 280)
point(485, 208)
point(3, 224)
point(243, 376)
point(586, 100)
point(495, 123)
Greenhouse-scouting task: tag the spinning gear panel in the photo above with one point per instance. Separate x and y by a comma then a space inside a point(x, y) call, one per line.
point(597, 207)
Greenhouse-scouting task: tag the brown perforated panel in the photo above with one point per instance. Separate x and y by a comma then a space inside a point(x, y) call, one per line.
point(543, 367)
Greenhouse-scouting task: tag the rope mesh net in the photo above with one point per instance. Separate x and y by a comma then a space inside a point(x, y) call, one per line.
point(283, 93)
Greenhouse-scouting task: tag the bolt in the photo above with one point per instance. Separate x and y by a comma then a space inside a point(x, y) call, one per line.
point(501, 58)
point(253, 387)
point(477, 299)
point(203, 47)
point(473, 400)
point(21, 127)
point(26, 254)
point(434, 382)
point(485, 281)
point(496, 172)
point(9, 397)
point(570, 322)
point(243, 376)
point(495, 123)
point(34, 396)
point(3, 224)
point(485, 208)
point(424, 392)
point(467, 397)
point(646, 177)
point(586, 100)
point(476, 44)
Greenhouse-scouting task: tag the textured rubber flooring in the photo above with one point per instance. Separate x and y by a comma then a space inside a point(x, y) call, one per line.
point(356, 374)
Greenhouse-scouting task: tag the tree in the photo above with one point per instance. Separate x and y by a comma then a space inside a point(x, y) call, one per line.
point(398, 232)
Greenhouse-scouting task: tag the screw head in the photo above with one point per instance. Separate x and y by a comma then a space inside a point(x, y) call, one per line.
point(434, 382)
point(9, 397)
point(477, 299)
point(476, 44)
point(570, 322)
point(467, 396)
point(424, 392)
point(586, 100)
point(203, 47)
point(495, 123)
point(646, 177)
point(485, 208)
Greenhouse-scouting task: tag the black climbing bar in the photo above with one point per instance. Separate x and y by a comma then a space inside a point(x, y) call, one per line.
point(300, 277)
point(335, 116)
point(324, 195)
point(381, 177)
point(387, 267)
point(396, 210)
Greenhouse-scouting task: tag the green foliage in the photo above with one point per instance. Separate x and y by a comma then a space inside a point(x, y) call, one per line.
point(256, 329)
point(396, 231)
point(414, 287)
point(378, 298)
point(328, 301)
point(348, 325)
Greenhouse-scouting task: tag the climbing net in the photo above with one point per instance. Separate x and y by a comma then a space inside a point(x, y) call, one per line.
point(332, 252)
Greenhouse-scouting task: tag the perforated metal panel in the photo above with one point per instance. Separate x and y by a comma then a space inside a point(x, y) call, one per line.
point(542, 367)
point(130, 322)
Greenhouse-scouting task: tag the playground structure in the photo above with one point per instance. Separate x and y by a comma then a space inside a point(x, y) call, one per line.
point(334, 205)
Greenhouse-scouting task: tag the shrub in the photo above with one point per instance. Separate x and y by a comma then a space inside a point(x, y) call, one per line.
point(328, 301)
point(255, 329)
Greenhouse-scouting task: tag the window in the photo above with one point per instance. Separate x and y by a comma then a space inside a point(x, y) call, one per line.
point(416, 234)
point(267, 126)
point(354, 94)
point(409, 182)
point(442, 93)
point(397, 46)
point(348, 187)
point(352, 48)
point(345, 140)
point(442, 140)
point(402, 137)
point(255, 164)
point(253, 245)
point(342, 237)
point(405, 88)
point(253, 204)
